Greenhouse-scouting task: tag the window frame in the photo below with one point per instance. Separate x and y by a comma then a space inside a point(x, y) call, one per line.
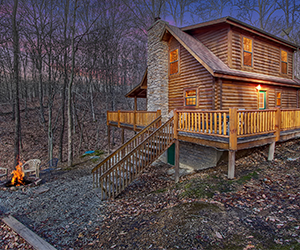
point(178, 61)
point(282, 50)
point(251, 52)
point(185, 97)
point(280, 98)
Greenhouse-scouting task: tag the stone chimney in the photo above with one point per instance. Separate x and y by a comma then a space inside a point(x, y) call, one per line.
point(157, 62)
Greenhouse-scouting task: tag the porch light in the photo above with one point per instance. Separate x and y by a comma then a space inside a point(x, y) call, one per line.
point(258, 87)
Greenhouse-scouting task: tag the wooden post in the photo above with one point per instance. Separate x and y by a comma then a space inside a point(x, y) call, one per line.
point(231, 164)
point(277, 124)
point(135, 103)
point(175, 124)
point(233, 125)
point(271, 151)
point(176, 161)
point(122, 135)
point(134, 120)
point(108, 138)
point(119, 118)
point(158, 114)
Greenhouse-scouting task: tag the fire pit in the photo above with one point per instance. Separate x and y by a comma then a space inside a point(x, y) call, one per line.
point(18, 179)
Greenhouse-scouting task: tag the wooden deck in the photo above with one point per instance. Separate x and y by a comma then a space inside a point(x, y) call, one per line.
point(230, 130)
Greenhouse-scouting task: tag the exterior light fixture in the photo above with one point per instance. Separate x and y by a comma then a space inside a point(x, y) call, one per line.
point(258, 87)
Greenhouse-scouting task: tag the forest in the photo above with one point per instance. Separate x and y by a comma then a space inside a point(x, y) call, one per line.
point(64, 63)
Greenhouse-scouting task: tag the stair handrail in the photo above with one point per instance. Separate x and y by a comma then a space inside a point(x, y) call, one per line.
point(126, 144)
point(136, 149)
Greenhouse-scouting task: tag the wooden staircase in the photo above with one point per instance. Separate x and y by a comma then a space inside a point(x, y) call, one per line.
point(120, 168)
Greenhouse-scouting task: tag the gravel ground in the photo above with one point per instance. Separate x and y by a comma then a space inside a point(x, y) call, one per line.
point(61, 210)
point(260, 209)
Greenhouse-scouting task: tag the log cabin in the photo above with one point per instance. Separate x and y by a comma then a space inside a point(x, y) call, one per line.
point(217, 86)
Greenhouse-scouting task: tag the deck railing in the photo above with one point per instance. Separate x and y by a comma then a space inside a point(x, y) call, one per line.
point(116, 178)
point(204, 122)
point(134, 118)
point(290, 119)
point(255, 122)
point(123, 150)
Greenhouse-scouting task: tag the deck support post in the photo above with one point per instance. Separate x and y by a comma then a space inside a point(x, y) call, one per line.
point(176, 161)
point(271, 151)
point(108, 138)
point(231, 164)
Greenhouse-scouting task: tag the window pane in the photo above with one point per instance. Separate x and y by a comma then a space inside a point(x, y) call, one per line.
point(247, 44)
point(190, 93)
point(174, 55)
point(174, 68)
point(283, 56)
point(191, 101)
point(284, 67)
point(247, 59)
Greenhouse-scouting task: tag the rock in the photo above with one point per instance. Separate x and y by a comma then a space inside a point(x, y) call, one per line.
point(41, 190)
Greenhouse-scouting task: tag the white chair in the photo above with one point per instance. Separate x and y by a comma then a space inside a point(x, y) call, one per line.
point(3, 172)
point(32, 166)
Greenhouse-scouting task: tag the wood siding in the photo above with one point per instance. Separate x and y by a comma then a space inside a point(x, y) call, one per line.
point(217, 41)
point(266, 55)
point(191, 75)
point(244, 95)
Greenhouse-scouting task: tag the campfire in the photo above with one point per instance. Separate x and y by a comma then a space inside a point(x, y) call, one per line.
point(17, 177)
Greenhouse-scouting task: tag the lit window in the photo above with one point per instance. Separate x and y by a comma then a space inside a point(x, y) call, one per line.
point(174, 62)
point(278, 99)
point(247, 51)
point(283, 62)
point(190, 97)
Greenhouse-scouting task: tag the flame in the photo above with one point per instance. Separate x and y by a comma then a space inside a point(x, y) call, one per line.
point(18, 176)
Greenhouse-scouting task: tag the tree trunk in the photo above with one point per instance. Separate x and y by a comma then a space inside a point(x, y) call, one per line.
point(16, 83)
point(70, 146)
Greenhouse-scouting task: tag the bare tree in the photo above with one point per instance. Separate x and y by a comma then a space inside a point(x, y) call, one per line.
point(16, 51)
point(259, 13)
point(211, 9)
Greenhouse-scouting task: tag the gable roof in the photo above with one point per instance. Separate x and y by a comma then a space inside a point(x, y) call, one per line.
point(242, 25)
point(215, 65)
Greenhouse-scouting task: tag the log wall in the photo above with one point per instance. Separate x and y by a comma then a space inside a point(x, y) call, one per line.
point(191, 75)
point(216, 40)
point(266, 55)
point(245, 95)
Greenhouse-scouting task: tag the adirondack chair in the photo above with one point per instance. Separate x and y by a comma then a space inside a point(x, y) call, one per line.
point(32, 166)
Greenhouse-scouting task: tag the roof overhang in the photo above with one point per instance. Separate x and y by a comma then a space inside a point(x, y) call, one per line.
point(139, 91)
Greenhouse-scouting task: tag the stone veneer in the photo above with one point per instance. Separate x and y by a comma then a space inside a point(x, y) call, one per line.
point(157, 62)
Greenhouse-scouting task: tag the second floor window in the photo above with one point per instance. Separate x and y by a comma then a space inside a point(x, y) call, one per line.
point(247, 51)
point(174, 60)
point(283, 62)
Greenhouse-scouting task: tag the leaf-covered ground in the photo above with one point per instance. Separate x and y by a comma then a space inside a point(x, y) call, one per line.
point(260, 209)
